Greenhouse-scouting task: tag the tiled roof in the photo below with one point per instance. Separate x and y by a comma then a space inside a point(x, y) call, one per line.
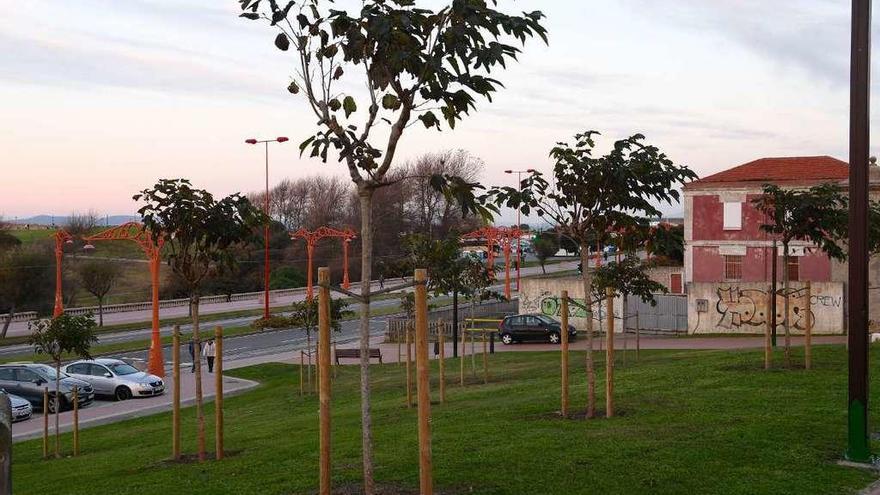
point(802, 169)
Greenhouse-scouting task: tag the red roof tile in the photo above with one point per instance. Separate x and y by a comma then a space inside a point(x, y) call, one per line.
point(783, 169)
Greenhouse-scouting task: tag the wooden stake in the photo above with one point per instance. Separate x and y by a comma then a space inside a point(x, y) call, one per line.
point(302, 364)
point(564, 336)
point(45, 422)
point(485, 360)
point(75, 421)
point(336, 366)
point(426, 486)
point(218, 390)
point(175, 396)
point(399, 344)
point(808, 329)
point(324, 375)
point(441, 338)
point(609, 355)
point(768, 342)
point(408, 368)
point(638, 334)
point(463, 349)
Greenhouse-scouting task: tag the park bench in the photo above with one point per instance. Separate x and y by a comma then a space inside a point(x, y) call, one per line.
point(356, 354)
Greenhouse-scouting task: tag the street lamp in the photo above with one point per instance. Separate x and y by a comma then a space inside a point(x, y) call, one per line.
point(518, 219)
point(280, 139)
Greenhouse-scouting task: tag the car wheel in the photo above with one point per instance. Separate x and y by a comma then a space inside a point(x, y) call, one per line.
point(506, 338)
point(51, 407)
point(122, 393)
point(554, 338)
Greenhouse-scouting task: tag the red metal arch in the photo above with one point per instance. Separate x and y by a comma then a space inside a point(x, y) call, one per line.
point(504, 237)
point(312, 239)
point(133, 231)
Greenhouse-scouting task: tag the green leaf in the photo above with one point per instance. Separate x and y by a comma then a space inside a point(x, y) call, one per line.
point(390, 102)
point(429, 119)
point(293, 88)
point(282, 42)
point(334, 104)
point(349, 105)
point(250, 15)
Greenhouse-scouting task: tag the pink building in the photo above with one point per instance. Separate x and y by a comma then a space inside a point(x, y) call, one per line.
point(723, 238)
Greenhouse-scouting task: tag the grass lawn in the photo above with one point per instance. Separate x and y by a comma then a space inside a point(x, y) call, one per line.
point(690, 422)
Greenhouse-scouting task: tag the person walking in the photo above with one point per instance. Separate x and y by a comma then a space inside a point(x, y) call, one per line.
point(209, 352)
point(192, 354)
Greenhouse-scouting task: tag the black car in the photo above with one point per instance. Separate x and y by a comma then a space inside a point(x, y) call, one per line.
point(532, 328)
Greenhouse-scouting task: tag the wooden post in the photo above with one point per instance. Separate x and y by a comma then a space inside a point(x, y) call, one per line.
point(302, 364)
point(638, 335)
point(426, 486)
point(609, 355)
point(441, 337)
point(473, 350)
point(45, 422)
point(218, 390)
point(768, 339)
point(485, 360)
point(808, 329)
point(336, 366)
point(175, 396)
point(324, 375)
point(399, 343)
point(564, 336)
point(623, 319)
point(463, 350)
point(5, 445)
point(75, 421)
point(408, 368)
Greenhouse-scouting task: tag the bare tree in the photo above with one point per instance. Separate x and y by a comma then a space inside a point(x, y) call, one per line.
point(81, 224)
point(98, 278)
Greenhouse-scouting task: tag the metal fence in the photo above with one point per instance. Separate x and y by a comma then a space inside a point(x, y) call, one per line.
point(668, 316)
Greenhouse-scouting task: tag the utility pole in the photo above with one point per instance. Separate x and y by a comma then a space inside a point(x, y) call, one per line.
point(858, 441)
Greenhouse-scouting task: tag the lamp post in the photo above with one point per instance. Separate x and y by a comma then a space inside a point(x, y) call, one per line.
point(519, 219)
point(280, 139)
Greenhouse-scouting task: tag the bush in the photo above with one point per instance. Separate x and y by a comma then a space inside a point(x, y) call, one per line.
point(286, 277)
point(274, 321)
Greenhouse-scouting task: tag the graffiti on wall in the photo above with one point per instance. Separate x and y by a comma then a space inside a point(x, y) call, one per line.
point(738, 308)
point(551, 305)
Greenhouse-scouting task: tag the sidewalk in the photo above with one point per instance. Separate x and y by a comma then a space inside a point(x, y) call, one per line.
point(103, 411)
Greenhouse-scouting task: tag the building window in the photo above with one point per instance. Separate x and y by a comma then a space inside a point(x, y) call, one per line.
point(733, 267)
point(732, 216)
point(794, 268)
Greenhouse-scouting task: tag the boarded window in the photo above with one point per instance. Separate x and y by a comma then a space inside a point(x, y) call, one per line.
point(794, 268)
point(733, 267)
point(675, 283)
point(732, 216)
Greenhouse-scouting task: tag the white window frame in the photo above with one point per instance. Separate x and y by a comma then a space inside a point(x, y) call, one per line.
point(732, 215)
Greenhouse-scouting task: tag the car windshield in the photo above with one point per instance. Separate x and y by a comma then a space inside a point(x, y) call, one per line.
point(47, 372)
point(123, 369)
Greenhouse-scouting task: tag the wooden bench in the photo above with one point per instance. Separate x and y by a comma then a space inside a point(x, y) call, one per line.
point(356, 354)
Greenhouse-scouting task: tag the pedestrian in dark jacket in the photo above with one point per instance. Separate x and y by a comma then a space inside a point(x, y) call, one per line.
point(192, 354)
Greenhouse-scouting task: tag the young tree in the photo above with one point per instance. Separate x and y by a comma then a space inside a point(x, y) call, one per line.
point(98, 278)
point(199, 234)
point(415, 61)
point(591, 197)
point(545, 246)
point(818, 215)
point(57, 337)
point(305, 314)
point(27, 281)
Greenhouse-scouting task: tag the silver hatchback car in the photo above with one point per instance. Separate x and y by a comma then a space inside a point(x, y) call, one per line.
point(116, 378)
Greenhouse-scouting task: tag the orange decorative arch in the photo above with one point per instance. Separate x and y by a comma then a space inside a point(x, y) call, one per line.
point(133, 231)
point(312, 239)
point(504, 237)
point(61, 237)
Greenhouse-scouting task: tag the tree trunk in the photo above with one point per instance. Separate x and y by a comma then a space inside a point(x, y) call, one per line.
point(455, 323)
point(57, 407)
point(543, 269)
point(197, 361)
point(787, 318)
point(8, 321)
point(366, 201)
point(588, 302)
point(100, 311)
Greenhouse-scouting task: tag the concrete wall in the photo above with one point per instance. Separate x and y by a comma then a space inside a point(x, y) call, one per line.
point(744, 308)
point(542, 295)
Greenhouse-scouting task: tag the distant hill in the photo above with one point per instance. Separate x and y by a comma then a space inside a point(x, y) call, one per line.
point(61, 220)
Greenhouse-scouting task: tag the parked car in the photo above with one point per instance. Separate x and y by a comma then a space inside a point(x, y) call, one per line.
point(21, 408)
point(533, 328)
point(28, 380)
point(116, 378)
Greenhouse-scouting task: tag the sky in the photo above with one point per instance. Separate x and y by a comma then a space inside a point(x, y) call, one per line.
point(100, 98)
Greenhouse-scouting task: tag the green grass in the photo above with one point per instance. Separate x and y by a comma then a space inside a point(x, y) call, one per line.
point(690, 422)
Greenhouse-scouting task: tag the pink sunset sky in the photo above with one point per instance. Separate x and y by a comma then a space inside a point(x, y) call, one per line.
point(100, 98)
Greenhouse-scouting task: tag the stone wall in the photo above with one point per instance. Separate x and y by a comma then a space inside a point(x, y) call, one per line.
point(542, 295)
point(662, 274)
point(743, 307)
